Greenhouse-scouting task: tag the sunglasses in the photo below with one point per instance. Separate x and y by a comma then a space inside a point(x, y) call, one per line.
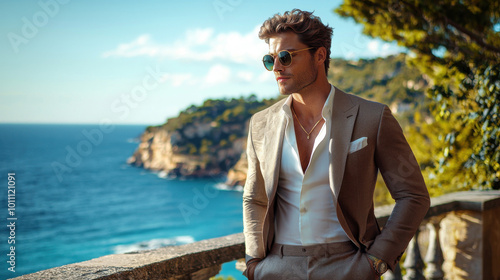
point(285, 58)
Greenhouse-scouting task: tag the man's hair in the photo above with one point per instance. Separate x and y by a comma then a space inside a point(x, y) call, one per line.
point(311, 31)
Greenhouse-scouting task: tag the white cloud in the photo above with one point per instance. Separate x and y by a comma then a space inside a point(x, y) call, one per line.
point(140, 46)
point(217, 74)
point(245, 76)
point(199, 36)
point(265, 76)
point(178, 80)
point(379, 49)
point(221, 50)
point(373, 46)
point(198, 45)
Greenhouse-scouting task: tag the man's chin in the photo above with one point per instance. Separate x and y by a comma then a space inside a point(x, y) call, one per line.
point(284, 91)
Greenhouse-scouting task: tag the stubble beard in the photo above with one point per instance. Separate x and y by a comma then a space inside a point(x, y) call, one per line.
point(300, 84)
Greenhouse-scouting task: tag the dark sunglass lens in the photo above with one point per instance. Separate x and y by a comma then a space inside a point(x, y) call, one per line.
point(268, 62)
point(285, 58)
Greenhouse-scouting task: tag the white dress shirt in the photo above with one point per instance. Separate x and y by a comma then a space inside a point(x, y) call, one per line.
point(306, 207)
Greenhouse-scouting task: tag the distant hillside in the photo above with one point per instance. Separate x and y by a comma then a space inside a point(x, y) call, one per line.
point(386, 80)
point(201, 141)
point(208, 140)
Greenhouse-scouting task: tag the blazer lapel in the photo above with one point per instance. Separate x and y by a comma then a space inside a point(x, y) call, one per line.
point(343, 118)
point(273, 144)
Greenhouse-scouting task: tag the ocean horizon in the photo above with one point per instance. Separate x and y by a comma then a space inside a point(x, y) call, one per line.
point(76, 198)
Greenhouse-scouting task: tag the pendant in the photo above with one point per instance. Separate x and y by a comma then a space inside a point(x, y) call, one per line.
point(307, 137)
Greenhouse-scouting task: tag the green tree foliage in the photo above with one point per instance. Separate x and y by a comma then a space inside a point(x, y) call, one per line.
point(222, 278)
point(218, 111)
point(457, 45)
point(386, 80)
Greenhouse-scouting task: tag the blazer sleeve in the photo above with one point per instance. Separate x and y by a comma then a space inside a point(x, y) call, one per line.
point(254, 202)
point(403, 178)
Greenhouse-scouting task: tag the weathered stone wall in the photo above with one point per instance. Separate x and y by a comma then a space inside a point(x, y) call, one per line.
point(200, 260)
point(470, 241)
point(461, 242)
point(491, 244)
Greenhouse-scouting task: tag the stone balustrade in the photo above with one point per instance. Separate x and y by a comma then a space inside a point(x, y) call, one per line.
point(459, 239)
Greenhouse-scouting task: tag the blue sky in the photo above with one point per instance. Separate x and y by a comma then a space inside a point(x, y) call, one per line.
point(141, 62)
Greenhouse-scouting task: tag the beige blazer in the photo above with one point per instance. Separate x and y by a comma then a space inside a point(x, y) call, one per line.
point(365, 138)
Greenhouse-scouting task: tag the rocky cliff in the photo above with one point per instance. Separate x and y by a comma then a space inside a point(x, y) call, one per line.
point(238, 174)
point(159, 150)
point(203, 141)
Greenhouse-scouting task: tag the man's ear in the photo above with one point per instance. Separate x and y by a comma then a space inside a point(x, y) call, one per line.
point(320, 55)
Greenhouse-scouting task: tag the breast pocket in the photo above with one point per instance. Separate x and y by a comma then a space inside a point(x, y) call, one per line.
point(358, 144)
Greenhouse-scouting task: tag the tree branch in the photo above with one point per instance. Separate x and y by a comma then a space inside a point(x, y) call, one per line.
point(464, 31)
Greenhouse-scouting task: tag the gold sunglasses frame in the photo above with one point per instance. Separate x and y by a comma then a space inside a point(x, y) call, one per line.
point(289, 52)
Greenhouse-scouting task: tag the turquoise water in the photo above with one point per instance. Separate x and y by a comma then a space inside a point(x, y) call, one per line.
point(77, 199)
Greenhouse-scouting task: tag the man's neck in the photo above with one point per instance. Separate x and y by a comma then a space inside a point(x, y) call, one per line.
point(309, 103)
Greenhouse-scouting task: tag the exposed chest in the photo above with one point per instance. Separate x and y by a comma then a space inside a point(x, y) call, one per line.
point(305, 143)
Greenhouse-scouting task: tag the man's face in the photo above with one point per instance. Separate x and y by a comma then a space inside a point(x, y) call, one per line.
point(298, 75)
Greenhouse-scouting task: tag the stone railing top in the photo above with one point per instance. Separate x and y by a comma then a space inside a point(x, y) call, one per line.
point(151, 264)
point(469, 200)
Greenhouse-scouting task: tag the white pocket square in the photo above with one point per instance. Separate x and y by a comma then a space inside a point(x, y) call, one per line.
point(358, 144)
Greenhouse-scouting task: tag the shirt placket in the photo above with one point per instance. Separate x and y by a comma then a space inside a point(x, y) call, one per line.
point(305, 228)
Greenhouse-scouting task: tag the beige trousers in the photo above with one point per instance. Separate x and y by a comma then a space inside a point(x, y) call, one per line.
point(339, 261)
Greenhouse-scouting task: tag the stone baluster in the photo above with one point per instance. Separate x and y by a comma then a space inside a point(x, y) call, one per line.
point(393, 275)
point(413, 262)
point(434, 256)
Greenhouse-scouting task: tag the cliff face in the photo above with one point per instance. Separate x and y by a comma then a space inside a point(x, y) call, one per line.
point(202, 141)
point(154, 151)
point(238, 174)
point(160, 150)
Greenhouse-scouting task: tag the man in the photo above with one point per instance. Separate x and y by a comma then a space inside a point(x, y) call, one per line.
point(313, 160)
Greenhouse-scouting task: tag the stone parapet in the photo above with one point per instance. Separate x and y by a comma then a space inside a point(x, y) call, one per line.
point(199, 260)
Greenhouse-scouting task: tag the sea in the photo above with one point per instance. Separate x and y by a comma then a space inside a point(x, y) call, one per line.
point(68, 195)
